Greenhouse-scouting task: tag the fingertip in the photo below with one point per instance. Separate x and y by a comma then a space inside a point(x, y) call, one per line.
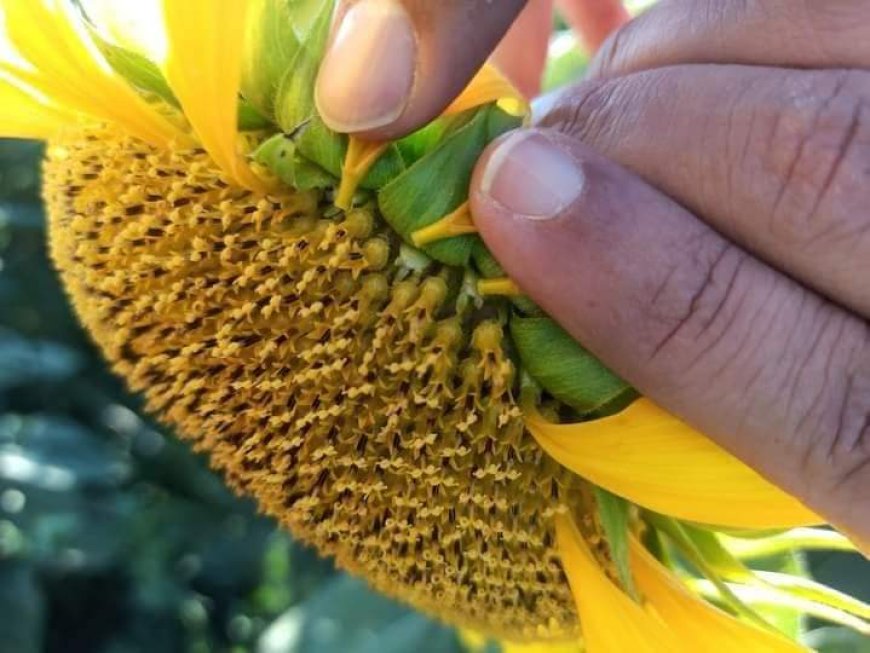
point(367, 75)
point(392, 66)
point(529, 174)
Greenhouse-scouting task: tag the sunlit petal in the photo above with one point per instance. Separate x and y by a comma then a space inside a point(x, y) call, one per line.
point(203, 65)
point(68, 68)
point(693, 618)
point(655, 460)
point(489, 85)
point(24, 115)
point(611, 621)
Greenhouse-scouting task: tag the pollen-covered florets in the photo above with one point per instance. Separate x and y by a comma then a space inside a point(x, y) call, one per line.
point(339, 388)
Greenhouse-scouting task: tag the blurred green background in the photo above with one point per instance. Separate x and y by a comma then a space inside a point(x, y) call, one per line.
point(114, 538)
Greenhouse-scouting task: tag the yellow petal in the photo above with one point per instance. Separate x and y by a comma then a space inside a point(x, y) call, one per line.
point(203, 65)
point(540, 647)
point(693, 619)
point(489, 85)
point(611, 621)
point(457, 223)
point(24, 115)
point(361, 156)
point(499, 286)
point(68, 68)
point(653, 459)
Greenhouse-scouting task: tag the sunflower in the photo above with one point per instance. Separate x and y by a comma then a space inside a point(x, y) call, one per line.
point(317, 314)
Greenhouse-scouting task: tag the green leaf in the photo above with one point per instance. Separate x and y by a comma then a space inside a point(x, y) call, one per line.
point(280, 155)
point(145, 75)
point(388, 167)
point(614, 513)
point(294, 101)
point(436, 185)
point(564, 368)
point(676, 532)
point(272, 45)
point(137, 69)
point(731, 569)
point(717, 556)
point(810, 590)
point(321, 145)
point(786, 620)
point(416, 145)
point(764, 596)
point(804, 539)
point(485, 262)
point(250, 119)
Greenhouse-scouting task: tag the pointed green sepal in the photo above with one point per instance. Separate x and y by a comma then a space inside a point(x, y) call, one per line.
point(565, 369)
point(270, 47)
point(437, 183)
point(294, 99)
point(614, 513)
point(280, 155)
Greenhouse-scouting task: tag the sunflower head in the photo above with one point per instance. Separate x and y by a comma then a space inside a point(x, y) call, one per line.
point(318, 315)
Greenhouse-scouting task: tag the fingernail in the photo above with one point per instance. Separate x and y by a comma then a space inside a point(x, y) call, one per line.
point(366, 77)
point(532, 177)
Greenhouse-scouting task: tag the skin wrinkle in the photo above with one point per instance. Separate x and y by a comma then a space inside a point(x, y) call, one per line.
point(727, 328)
point(802, 364)
point(697, 302)
point(593, 112)
point(846, 146)
point(746, 144)
point(790, 179)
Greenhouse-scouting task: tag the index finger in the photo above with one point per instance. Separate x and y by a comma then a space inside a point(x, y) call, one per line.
point(394, 65)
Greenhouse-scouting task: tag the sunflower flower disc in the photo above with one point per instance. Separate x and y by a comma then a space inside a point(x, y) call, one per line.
point(359, 412)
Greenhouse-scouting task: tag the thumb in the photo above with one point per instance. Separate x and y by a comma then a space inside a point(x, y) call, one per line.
point(393, 65)
point(693, 321)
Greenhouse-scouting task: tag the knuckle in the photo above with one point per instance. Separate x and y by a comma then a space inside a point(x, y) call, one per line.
point(602, 112)
point(586, 111)
point(611, 56)
point(819, 154)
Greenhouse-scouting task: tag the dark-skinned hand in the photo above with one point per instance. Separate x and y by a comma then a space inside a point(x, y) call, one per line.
point(696, 212)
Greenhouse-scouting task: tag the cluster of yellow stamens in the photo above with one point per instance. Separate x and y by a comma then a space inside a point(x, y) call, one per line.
point(341, 391)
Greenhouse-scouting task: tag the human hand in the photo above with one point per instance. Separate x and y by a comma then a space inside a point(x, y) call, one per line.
point(394, 65)
point(697, 214)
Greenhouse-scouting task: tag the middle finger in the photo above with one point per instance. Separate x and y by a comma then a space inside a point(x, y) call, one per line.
point(778, 160)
